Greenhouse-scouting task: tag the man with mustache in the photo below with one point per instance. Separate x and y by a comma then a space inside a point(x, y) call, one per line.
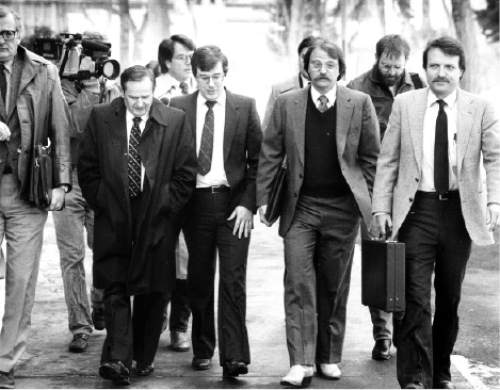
point(387, 78)
point(430, 190)
point(330, 137)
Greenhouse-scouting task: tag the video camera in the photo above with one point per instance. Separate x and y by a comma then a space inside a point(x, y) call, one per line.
point(78, 58)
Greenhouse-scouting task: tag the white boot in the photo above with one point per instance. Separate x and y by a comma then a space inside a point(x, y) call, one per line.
point(298, 376)
point(330, 370)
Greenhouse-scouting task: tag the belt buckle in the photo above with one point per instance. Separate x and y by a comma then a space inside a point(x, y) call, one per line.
point(214, 189)
point(443, 196)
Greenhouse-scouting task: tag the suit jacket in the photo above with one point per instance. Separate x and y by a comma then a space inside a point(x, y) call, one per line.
point(242, 138)
point(141, 255)
point(276, 90)
point(357, 138)
point(43, 113)
point(399, 167)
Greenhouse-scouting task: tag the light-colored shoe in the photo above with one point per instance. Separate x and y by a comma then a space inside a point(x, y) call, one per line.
point(330, 370)
point(179, 341)
point(298, 376)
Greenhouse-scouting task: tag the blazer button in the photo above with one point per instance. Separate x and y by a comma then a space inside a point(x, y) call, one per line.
point(417, 179)
point(301, 176)
point(410, 199)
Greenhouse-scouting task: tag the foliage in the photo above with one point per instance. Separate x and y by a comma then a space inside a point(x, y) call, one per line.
point(488, 19)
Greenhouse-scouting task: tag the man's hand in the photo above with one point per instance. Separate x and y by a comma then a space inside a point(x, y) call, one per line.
point(381, 226)
point(262, 215)
point(493, 217)
point(4, 132)
point(243, 223)
point(57, 201)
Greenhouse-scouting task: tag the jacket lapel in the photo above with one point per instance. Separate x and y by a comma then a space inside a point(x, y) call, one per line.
point(231, 123)
point(298, 121)
point(117, 125)
point(345, 108)
point(464, 126)
point(416, 118)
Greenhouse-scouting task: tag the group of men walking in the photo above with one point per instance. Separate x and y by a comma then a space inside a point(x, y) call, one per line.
point(180, 152)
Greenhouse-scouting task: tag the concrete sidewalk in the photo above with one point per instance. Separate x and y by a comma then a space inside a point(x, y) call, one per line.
point(48, 364)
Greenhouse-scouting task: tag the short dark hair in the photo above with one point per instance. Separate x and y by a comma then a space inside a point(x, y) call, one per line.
point(206, 57)
point(307, 42)
point(167, 47)
point(4, 11)
point(332, 50)
point(392, 45)
point(449, 46)
point(136, 73)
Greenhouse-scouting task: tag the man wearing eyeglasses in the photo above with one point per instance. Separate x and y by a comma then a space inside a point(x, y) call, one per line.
point(330, 137)
point(176, 79)
point(220, 213)
point(174, 59)
point(31, 105)
point(387, 78)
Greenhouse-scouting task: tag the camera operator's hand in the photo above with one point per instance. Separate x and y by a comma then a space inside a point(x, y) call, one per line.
point(4, 132)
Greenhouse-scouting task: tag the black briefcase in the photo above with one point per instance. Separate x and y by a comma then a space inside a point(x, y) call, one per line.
point(275, 200)
point(383, 275)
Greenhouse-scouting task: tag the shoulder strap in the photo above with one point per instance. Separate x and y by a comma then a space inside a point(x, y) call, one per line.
point(415, 78)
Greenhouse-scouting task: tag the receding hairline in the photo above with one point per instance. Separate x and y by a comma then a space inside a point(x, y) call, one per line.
point(6, 11)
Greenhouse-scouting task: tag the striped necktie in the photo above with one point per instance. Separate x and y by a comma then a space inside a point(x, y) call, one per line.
point(134, 160)
point(207, 141)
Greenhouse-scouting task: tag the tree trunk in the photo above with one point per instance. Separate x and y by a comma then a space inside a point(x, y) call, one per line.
point(158, 20)
point(124, 9)
point(466, 29)
point(295, 26)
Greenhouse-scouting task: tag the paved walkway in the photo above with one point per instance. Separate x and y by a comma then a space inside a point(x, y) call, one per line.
point(48, 364)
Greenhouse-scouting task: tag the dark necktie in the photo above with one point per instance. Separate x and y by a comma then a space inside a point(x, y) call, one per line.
point(323, 103)
point(134, 160)
point(207, 141)
point(441, 164)
point(184, 88)
point(3, 83)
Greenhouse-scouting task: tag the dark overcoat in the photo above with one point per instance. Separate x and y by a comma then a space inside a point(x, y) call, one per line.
point(142, 256)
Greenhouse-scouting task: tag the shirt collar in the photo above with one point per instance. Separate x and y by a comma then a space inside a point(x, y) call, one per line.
point(331, 95)
point(220, 101)
point(450, 100)
point(130, 118)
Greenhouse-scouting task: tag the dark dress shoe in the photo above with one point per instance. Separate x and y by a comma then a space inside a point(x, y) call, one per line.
point(234, 368)
point(201, 364)
point(143, 369)
point(414, 385)
point(116, 372)
point(7, 380)
point(445, 384)
point(98, 319)
point(382, 350)
point(79, 343)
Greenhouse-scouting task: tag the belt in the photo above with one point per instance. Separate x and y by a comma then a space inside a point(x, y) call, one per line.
point(439, 196)
point(213, 189)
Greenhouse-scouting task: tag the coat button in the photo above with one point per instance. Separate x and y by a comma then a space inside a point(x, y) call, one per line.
point(301, 176)
point(417, 179)
point(295, 194)
point(410, 199)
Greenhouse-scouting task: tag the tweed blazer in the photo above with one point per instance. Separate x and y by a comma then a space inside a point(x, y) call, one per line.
point(399, 167)
point(357, 139)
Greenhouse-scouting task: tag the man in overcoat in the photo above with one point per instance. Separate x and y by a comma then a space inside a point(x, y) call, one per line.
point(32, 111)
point(330, 137)
point(136, 170)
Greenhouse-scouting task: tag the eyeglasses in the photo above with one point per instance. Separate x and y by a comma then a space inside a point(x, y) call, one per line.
point(215, 77)
point(318, 65)
point(8, 35)
point(183, 57)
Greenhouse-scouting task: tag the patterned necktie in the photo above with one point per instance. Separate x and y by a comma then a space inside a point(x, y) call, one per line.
point(207, 141)
point(3, 82)
point(134, 160)
point(441, 164)
point(323, 103)
point(184, 88)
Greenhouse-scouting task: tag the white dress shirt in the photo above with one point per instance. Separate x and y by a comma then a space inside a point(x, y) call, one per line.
point(217, 175)
point(169, 87)
point(331, 96)
point(142, 124)
point(428, 136)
